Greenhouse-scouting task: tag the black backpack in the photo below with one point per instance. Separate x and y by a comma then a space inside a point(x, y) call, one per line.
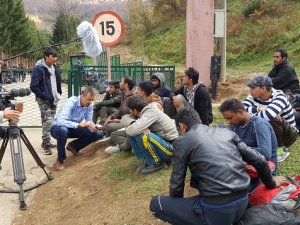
point(270, 214)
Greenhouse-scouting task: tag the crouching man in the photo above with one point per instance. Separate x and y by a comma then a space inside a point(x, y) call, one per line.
point(215, 158)
point(150, 135)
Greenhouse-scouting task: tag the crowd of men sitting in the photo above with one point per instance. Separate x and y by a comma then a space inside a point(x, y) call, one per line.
point(141, 120)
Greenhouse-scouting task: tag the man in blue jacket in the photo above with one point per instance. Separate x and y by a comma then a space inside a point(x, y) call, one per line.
point(46, 85)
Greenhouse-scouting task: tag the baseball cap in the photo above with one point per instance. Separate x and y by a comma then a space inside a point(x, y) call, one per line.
point(260, 80)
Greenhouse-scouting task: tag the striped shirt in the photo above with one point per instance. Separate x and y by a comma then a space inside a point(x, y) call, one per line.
point(277, 104)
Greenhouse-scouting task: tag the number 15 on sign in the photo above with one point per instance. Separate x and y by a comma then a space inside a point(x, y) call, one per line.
point(109, 26)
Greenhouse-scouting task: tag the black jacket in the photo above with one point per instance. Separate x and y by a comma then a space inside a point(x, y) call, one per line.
point(215, 158)
point(202, 103)
point(284, 78)
point(40, 83)
point(113, 100)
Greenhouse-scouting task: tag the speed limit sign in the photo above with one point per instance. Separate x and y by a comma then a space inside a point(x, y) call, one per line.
point(109, 26)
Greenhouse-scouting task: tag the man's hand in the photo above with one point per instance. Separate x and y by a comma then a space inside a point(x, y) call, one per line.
point(279, 180)
point(176, 102)
point(11, 114)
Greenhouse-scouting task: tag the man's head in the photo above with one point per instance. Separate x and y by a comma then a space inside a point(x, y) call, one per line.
point(113, 87)
point(136, 104)
point(279, 57)
point(185, 119)
point(234, 112)
point(127, 83)
point(157, 80)
point(87, 96)
point(50, 56)
point(145, 88)
point(260, 86)
point(191, 76)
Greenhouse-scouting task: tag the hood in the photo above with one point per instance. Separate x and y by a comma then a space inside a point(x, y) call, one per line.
point(41, 62)
point(161, 78)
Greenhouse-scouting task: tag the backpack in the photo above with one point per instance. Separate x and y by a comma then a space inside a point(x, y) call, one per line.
point(252, 171)
point(286, 134)
point(269, 215)
point(286, 195)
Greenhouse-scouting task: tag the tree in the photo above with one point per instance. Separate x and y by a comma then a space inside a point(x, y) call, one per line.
point(18, 33)
point(65, 23)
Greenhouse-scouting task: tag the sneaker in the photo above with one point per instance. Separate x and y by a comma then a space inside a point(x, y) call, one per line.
point(283, 155)
point(154, 168)
point(112, 149)
point(51, 145)
point(59, 165)
point(47, 150)
point(72, 150)
point(143, 165)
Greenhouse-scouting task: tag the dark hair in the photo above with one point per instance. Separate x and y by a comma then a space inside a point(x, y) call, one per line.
point(128, 80)
point(50, 51)
point(188, 116)
point(114, 83)
point(282, 52)
point(192, 74)
point(231, 105)
point(146, 86)
point(136, 102)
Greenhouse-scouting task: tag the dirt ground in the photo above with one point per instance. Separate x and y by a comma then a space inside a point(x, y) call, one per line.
point(82, 194)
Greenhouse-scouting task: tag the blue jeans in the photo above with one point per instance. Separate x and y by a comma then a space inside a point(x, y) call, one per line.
point(194, 211)
point(84, 135)
point(151, 147)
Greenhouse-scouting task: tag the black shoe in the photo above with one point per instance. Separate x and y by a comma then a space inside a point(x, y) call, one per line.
point(154, 168)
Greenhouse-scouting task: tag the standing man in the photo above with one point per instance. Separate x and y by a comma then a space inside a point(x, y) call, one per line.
point(214, 157)
point(272, 105)
point(195, 95)
point(46, 85)
point(283, 74)
point(74, 120)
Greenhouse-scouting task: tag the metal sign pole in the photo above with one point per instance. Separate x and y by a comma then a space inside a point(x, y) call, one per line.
point(108, 64)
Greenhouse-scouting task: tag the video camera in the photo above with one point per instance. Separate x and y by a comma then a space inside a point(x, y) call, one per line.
point(7, 96)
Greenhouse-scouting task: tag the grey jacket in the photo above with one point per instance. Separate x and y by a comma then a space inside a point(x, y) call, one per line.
point(156, 121)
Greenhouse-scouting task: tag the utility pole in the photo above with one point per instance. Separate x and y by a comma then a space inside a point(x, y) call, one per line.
point(220, 42)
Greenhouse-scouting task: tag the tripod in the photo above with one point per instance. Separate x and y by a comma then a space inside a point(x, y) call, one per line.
point(14, 135)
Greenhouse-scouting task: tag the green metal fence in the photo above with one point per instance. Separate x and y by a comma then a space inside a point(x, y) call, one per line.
point(97, 75)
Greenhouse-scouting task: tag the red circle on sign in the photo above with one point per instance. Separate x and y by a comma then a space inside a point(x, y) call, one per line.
point(121, 23)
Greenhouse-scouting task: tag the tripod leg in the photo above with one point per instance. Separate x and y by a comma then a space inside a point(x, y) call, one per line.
point(23, 205)
point(33, 153)
point(2, 149)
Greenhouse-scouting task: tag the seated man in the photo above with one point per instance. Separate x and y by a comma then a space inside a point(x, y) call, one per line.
point(119, 138)
point(110, 103)
point(145, 89)
point(170, 100)
point(214, 157)
point(254, 131)
point(74, 120)
point(195, 95)
point(113, 122)
point(270, 104)
point(150, 135)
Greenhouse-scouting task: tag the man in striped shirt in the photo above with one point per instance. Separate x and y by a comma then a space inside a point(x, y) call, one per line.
point(267, 102)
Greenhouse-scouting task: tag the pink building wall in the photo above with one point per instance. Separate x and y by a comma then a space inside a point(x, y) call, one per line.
point(199, 37)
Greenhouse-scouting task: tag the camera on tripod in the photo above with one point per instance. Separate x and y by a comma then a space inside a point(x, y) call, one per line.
point(7, 99)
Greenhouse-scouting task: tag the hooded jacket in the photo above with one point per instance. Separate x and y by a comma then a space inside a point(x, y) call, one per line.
point(40, 83)
point(163, 90)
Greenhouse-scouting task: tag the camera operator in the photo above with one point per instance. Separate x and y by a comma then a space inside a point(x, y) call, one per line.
point(9, 114)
